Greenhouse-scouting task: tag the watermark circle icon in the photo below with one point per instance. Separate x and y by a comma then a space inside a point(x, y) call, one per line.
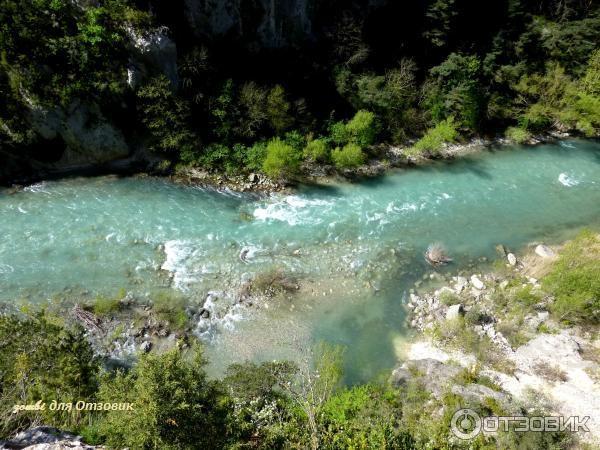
point(465, 424)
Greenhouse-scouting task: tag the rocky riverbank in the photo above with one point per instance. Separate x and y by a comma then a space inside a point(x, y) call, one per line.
point(514, 354)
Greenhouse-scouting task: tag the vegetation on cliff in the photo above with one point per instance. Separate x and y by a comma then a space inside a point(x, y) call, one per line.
point(457, 69)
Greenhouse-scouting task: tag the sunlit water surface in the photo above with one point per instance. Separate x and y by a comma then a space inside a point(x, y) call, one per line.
point(355, 249)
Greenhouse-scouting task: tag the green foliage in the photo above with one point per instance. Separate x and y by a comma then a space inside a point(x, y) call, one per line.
point(433, 141)
point(517, 135)
point(166, 118)
point(175, 405)
point(282, 160)
point(106, 305)
point(170, 308)
point(362, 129)
point(41, 361)
point(390, 95)
point(575, 283)
point(455, 91)
point(348, 157)
point(591, 80)
point(317, 150)
point(278, 110)
point(364, 417)
point(255, 156)
point(338, 134)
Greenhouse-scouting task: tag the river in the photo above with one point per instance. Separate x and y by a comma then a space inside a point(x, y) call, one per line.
point(355, 249)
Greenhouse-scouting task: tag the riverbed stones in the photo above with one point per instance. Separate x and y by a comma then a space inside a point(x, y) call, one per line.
point(460, 284)
point(544, 251)
point(512, 259)
point(477, 283)
point(146, 346)
point(454, 312)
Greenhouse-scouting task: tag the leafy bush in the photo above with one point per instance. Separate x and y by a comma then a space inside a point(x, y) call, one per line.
point(42, 361)
point(278, 109)
point(166, 118)
point(444, 132)
point(362, 129)
point(338, 134)
point(281, 160)
point(174, 405)
point(255, 156)
point(574, 281)
point(517, 135)
point(317, 150)
point(348, 157)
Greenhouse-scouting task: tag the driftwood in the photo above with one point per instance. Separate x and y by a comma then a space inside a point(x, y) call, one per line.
point(436, 255)
point(88, 320)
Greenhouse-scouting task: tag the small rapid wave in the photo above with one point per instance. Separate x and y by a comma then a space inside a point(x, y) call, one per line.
point(295, 210)
point(566, 180)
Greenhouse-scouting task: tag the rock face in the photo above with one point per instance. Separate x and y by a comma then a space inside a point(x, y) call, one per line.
point(46, 438)
point(435, 375)
point(512, 259)
point(87, 134)
point(276, 24)
point(151, 50)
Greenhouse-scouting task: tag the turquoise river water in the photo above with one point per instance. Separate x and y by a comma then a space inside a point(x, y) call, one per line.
point(355, 249)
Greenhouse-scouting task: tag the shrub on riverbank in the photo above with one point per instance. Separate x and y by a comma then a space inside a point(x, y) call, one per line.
point(575, 281)
point(517, 135)
point(282, 160)
point(348, 157)
point(444, 132)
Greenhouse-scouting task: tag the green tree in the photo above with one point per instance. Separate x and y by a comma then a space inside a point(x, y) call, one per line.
point(317, 150)
point(174, 405)
point(41, 360)
point(348, 157)
point(362, 129)
point(278, 110)
point(282, 160)
point(166, 118)
point(455, 90)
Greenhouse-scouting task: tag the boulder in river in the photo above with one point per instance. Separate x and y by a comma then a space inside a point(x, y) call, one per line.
point(436, 255)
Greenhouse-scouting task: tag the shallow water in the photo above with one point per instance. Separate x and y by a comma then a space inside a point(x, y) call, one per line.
point(355, 248)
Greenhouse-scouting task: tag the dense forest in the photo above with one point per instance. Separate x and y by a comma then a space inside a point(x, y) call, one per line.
point(278, 86)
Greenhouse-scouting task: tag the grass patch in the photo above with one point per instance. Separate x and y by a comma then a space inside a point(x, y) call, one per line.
point(104, 306)
point(549, 372)
point(170, 308)
point(575, 281)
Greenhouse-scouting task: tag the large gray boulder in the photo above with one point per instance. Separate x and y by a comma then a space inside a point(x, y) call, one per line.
point(88, 136)
point(435, 376)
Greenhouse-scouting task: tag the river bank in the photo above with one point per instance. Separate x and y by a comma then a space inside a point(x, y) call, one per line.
point(502, 328)
point(383, 159)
